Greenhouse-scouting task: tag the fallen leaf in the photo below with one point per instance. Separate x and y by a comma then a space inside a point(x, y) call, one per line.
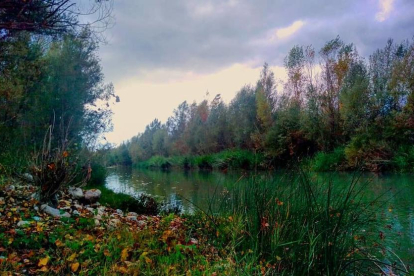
point(72, 257)
point(43, 261)
point(124, 254)
point(74, 267)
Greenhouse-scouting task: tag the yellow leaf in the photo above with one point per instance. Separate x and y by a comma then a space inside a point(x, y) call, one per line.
point(44, 261)
point(74, 267)
point(72, 257)
point(59, 243)
point(278, 258)
point(188, 273)
point(124, 254)
point(148, 260)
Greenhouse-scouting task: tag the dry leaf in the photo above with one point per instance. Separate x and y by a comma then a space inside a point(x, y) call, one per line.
point(74, 267)
point(44, 261)
point(72, 257)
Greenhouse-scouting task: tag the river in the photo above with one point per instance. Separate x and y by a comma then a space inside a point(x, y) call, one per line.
point(191, 190)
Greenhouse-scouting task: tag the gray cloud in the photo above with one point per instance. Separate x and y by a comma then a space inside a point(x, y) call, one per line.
point(209, 35)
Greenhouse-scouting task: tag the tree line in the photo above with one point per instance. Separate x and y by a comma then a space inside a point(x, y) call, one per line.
point(335, 105)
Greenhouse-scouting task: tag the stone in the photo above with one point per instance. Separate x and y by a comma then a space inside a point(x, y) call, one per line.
point(90, 210)
point(113, 223)
point(35, 196)
point(119, 212)
point(92, 195)
point(76, 213)
point(141, 223)
point(53, 211)
point(132, 214)
point(23, 223)
point(10, 188)
point(76, 193)
point(101, 210)
point(97, 222)
point(132, 218)
point(28, 177)
point(98, 217)
point(36, 218)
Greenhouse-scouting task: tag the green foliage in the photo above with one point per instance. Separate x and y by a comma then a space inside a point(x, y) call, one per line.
point(306, 228)
point(403, 160)
point(328, 161)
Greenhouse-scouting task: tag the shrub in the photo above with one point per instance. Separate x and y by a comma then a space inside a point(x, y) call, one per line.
point(403, 159)
point(328, 161)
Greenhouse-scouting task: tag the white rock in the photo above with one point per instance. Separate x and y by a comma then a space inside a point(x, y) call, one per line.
point(132, 214)
point(76, 193)
point(23, 223)
point(113, 223)
point(28, 177)
point(92, 195)
point(101, 210)
point(97, 222)
point(10, 188)
point(141, 223)
point(119, 212)
point(133, 218)
point(98, 217)
point(90, 210)
point(35, 196)
point(53, 211)
point(76, 213)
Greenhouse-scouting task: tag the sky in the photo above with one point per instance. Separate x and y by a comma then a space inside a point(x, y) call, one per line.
point(161, 53)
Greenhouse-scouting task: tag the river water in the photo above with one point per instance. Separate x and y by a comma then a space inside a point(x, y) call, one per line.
point(191, 190)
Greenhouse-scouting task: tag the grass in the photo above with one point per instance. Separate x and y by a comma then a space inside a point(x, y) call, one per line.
point(306, 228)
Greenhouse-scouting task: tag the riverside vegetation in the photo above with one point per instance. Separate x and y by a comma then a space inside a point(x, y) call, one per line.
point(335, 111)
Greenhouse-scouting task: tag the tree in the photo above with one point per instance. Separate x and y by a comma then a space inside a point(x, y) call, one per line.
point(49, 16)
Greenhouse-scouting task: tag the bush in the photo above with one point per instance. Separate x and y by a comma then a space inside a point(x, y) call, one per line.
point(328, 161)
point(403, 160)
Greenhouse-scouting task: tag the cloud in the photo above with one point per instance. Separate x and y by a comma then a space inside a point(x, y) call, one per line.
point(290, 30)
point(190, 36)
point(386, 7)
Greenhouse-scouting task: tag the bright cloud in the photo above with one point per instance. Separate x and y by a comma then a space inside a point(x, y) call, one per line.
point(290, 30)
point(386, 7)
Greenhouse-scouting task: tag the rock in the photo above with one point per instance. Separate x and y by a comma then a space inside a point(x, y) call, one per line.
point(119, 212)
point(28, 177)
point(101, 210)
point(35, 196)
point(132, 214)
point(10, 188)
point(97, 222)
point(132, 218)
point(90, 210)
point(36, 208)
point(113, 223)
point(98, 217)
point(53, 211)
point(92, 195)
point(76, 213)
point(23, 223)
point(141, 223)
point(77, 206)
point(76, 193)
point(36, 218)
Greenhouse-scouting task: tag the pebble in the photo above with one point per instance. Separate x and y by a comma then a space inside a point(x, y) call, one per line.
point(133, 218)
point(23, 223)
point(119, 212)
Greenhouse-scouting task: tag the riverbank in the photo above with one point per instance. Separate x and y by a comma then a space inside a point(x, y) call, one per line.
point(340, 159)
point(289, 231)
